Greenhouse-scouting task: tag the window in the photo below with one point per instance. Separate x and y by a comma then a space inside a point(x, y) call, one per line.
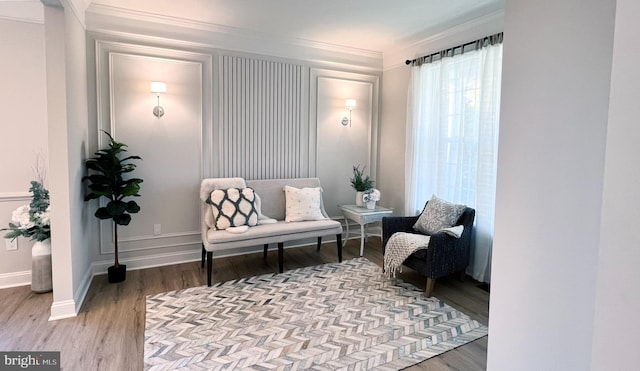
point(452, 140)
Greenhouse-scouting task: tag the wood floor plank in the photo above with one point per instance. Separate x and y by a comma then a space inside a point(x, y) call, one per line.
point(108, 333)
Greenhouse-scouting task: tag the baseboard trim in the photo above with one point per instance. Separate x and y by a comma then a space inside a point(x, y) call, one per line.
point(71, 308)
point(149, 261)
point(15, 279)
point(63, 309)
point(158, 260)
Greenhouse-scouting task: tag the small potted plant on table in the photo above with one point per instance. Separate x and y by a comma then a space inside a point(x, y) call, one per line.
point(360, 183)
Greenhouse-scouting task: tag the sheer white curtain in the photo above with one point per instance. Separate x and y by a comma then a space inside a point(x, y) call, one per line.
point(452, 140)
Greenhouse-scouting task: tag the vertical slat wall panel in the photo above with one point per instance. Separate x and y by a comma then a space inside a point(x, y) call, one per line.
point(262, 118)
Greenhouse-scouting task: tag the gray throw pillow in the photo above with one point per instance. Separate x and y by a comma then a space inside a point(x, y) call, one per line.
point(438, 214)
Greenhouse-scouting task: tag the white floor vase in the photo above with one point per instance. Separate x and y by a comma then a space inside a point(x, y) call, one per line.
point(41, 281)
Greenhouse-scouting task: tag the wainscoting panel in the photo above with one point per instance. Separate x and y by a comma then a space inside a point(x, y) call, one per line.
point(173, 147)
point(15, 196)
point(15, 265)
point(263, 129)
point(338, 147)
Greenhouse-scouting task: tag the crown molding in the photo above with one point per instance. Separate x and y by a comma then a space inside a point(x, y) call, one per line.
point(114, 20)
point(139, 16)
point(30, 11)
point(135, 15)
point(53, 3)
point(478, 27)
point(77, 7)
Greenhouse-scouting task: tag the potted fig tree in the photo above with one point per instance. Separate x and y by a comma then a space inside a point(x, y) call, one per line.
point(107, 172)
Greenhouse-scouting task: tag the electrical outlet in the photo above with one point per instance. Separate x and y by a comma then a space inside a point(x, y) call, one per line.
point(11, 244)
point(157, 229)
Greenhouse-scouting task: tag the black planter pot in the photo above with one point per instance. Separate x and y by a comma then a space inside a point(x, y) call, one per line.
point(117, 274)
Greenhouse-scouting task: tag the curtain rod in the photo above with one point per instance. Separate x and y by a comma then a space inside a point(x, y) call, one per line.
point(479, 44)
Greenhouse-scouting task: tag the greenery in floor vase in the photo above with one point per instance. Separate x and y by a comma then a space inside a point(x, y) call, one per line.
point(360, 182)
point(107, 180)
point(32, 221)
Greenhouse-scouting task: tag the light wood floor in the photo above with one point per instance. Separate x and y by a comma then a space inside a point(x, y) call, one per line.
point(108, 332)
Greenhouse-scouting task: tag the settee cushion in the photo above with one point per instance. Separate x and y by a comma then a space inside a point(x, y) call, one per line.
point(233, 207)
point(438, 214)
point(303, 204)
point(272, 231)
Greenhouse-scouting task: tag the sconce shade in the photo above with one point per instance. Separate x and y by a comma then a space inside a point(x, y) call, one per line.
point(158, 87)
point(350, 104)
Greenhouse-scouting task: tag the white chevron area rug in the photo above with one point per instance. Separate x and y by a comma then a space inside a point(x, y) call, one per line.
point(338, 316)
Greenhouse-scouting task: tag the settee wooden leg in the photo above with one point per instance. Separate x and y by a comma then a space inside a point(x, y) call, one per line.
point(429, 289)
point(319, 242)
point(339, 244)
point(209, 266)
point(266, 248)
point(281, 257)
point(203, 253)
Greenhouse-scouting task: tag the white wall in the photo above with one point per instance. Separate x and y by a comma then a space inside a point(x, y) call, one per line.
point(23, 133)
point(339, 147)
point(391, 179)
point(67, 117)
point(77, 132)
point(617, 299)
point(553, 125)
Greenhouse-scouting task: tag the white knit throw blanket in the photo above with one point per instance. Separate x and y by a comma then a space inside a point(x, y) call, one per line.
point(403, 244)
point(399, 247)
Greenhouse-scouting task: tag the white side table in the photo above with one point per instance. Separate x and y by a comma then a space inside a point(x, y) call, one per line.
point(363, 216)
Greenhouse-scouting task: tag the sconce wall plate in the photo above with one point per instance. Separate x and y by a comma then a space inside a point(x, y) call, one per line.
point(158, 111)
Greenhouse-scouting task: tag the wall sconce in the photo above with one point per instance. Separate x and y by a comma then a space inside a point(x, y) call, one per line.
point(158, 88)
point(350, 104)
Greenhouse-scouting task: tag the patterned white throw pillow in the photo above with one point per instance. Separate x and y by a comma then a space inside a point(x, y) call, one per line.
point(438, 214)
point(233, 207)
point(303, 204)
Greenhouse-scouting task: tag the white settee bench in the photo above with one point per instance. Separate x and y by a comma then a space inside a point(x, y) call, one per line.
point(270, 203)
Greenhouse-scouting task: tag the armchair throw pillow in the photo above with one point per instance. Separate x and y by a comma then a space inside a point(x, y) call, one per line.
point(303, 204)
point(437, 215)
point(233, 207)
